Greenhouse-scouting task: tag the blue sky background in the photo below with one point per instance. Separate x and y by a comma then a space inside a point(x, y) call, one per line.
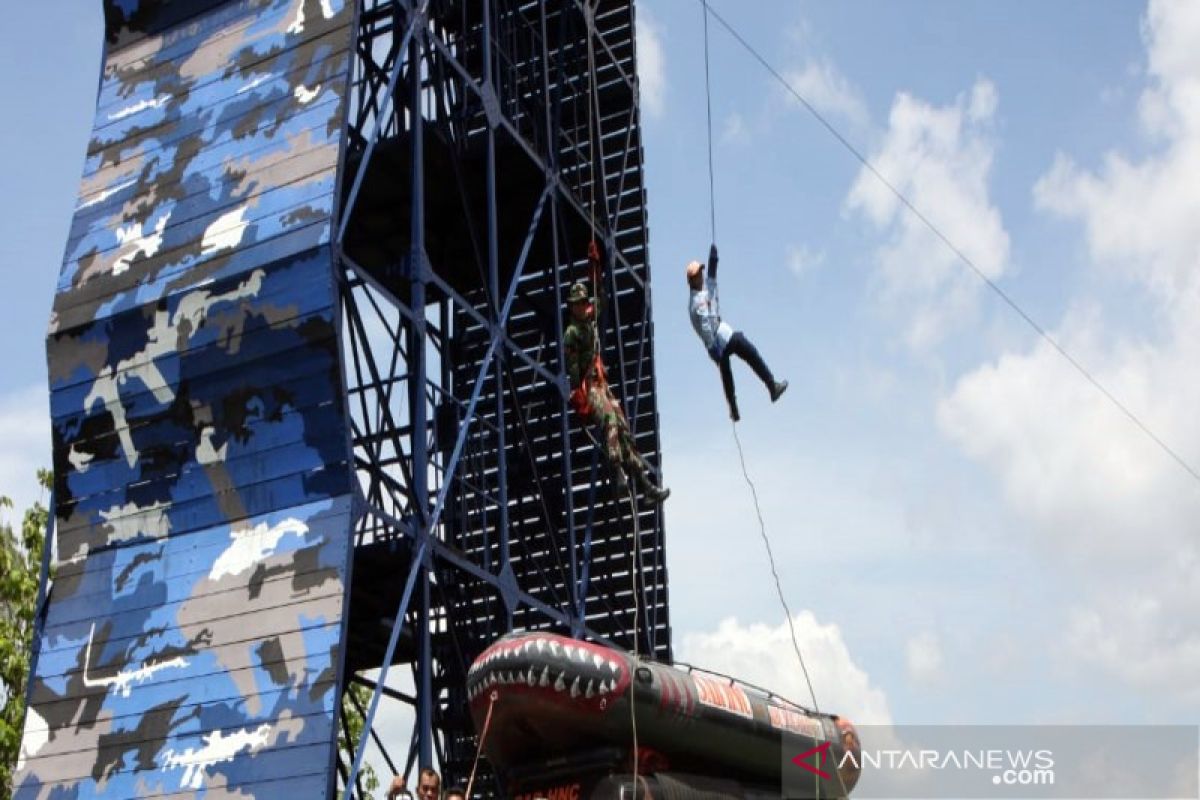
point(962, 513)
point(967, 531)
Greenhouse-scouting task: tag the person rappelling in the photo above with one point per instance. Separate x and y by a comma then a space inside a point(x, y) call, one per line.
point(720, 339)
point(591, 396)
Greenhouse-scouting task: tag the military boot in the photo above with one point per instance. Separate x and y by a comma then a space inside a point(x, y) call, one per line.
point(651, 493)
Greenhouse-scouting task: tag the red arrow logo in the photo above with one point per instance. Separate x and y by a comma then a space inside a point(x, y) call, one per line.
point(821, 750)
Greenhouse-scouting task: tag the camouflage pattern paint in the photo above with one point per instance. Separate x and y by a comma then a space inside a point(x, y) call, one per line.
point(193, 636)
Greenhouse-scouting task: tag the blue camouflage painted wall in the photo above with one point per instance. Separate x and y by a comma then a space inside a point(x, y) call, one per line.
point(193, 635)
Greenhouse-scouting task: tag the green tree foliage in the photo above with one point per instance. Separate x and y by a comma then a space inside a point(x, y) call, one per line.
point(20, 569)
point(355, 697)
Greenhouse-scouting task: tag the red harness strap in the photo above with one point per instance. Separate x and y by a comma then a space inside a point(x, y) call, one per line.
point(581, 397)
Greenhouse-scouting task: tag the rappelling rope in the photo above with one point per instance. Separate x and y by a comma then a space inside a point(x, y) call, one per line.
point(783, 601)
point(635, 559)
point(487, 722)
point(762, 528)
point(593, 135)
point(712, 209)
point(592, 123)
point(712, 193)
point(633, 572)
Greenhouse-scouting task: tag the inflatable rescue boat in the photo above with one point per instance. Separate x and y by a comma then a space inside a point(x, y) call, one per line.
point(553, 699)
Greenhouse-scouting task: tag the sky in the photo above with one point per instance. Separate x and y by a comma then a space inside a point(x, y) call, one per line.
point(967, 530)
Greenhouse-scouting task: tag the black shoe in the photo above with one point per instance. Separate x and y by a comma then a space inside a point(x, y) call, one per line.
point(777, 390)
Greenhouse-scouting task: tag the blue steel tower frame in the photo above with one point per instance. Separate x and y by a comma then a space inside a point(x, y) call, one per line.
point(491, 141)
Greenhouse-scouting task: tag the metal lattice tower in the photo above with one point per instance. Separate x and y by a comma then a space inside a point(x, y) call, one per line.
point(307, 383)
point(485, 233)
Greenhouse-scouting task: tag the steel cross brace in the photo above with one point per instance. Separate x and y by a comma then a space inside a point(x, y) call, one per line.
point(417, 565)
point(363, 274)
point(589, 12)
point(425, 535)
point(509, 345)
point(416, 19)
point(477, 389)
point(441, 550)
point(518, 137)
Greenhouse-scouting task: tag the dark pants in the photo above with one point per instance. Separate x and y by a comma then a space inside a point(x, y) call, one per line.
point(741, 347)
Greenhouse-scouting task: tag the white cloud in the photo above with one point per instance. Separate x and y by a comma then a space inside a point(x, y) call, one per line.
point(763, 655)
point(1140, 216)
point(1068, 459)
point(1170, 106)
point(652, 66)
point(734, 131)
point(25, 432)
point(802, 259)
point(1108, 504)
point(1145, 632)
point(940, 158)
point(923, 658)
point(1101, 498)
point(821, 84)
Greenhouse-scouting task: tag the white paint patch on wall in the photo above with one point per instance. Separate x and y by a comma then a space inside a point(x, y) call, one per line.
point(130, 521)
point(129, 111)
point(124, 680)
point(306, 95)
point(37, 733)
point(206, 453)
point(217, 747)
point(297, 25)
point(79, 460)
point(134, 242)
point(252, 546)
point(104, 195)
point(254, 84)
point(225, 231)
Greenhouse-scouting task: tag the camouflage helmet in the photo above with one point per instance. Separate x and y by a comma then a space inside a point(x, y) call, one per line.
point(578, 292)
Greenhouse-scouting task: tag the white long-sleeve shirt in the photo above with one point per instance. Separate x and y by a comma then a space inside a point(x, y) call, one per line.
point(704, 310)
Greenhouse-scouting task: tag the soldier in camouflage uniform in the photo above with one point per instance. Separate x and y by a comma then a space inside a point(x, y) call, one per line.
point(591, 396)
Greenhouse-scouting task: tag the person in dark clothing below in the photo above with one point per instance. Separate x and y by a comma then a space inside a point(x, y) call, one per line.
point(429, 785)
point(720, 339)
point(591, 396)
